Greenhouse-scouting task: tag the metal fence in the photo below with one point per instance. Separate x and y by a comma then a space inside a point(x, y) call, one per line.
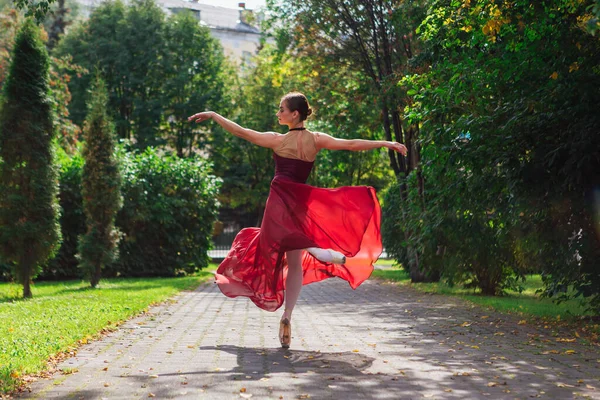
point(222, 243)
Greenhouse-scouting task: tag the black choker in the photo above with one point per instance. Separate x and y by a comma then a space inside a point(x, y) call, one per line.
point(297, 129)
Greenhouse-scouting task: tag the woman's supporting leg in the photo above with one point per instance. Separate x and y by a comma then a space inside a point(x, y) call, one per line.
point(293, 282)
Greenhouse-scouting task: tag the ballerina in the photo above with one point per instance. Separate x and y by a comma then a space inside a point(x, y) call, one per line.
point(307, 233)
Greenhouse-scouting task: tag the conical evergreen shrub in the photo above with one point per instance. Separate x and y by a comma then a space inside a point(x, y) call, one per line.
point(29, 230)
point(101, 187)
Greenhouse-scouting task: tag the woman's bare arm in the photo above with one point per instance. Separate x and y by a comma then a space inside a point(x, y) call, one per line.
point(325, 141)
point(263, 139)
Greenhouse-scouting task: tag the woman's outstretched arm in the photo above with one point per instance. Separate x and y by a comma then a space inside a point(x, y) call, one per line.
point(263, 139)
point(325, 141)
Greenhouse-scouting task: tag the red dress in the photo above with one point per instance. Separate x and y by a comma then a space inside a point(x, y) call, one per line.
point(297, 216)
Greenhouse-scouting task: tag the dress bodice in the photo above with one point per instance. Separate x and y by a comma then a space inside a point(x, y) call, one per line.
point(292, 169)
point(298, 144)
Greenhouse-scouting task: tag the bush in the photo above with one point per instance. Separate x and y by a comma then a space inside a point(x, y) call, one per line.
point(166, 222)
point(169, 207)
point(72, 219)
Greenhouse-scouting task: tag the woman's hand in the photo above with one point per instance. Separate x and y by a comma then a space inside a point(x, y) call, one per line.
point(399, 147)
point(199, 117)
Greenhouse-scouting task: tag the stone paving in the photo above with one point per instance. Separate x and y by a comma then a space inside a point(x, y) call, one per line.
point(381, 341)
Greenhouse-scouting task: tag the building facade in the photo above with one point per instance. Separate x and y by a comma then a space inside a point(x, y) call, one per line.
point(240, 39)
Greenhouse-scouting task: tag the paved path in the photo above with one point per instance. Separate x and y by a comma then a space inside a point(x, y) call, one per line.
point(379, 342)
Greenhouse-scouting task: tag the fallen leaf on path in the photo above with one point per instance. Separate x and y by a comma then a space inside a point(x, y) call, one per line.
point(564, 385)
point(245, 395)
point(570, 352)
point(243, 390)
point(151, 395)
point(566, 340)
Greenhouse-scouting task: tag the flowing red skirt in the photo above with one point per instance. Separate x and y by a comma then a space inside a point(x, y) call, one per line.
point(298, 216)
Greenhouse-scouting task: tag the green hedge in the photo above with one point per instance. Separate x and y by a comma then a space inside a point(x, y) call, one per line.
point(72, 219)
point(166, 221)
point(169, 208)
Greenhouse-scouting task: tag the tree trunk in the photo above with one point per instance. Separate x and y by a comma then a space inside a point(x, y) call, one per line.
point(25, 276)
point(96, 275)
point(27, 288)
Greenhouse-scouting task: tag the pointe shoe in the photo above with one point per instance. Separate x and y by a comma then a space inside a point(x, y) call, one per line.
point(285, 333)
point(337, 257)
point(327, 255)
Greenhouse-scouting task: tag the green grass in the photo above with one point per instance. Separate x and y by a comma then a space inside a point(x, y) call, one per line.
point(525, 303)
point(63, 314)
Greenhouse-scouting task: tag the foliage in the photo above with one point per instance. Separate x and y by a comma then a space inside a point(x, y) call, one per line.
point(60, 74)
point(10, 21)
point(63, 14)
point(72, 219)
point(37, 9)
point(168, 214)
point(157, 71)
point(101, 184)
point(194, 80)
point(125, 44)
point(61, 69)
point(29, 231)
point(510, 141)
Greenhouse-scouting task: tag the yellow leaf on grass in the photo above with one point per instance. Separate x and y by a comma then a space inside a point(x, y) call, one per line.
point(554, 75)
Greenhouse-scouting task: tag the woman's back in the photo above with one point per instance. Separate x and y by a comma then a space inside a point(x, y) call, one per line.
point(298, 145)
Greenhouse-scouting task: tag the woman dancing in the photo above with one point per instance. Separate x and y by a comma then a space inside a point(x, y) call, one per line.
point(307, 234)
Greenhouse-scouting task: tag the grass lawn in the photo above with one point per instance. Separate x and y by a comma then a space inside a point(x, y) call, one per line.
point(525, 303)
point(63, 314)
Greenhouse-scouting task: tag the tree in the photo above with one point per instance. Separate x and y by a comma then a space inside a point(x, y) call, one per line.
point(101, 183)
point(29, 231)
point(11, 22)
point(194, 79)
point(510, 139)
point(126, 43)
